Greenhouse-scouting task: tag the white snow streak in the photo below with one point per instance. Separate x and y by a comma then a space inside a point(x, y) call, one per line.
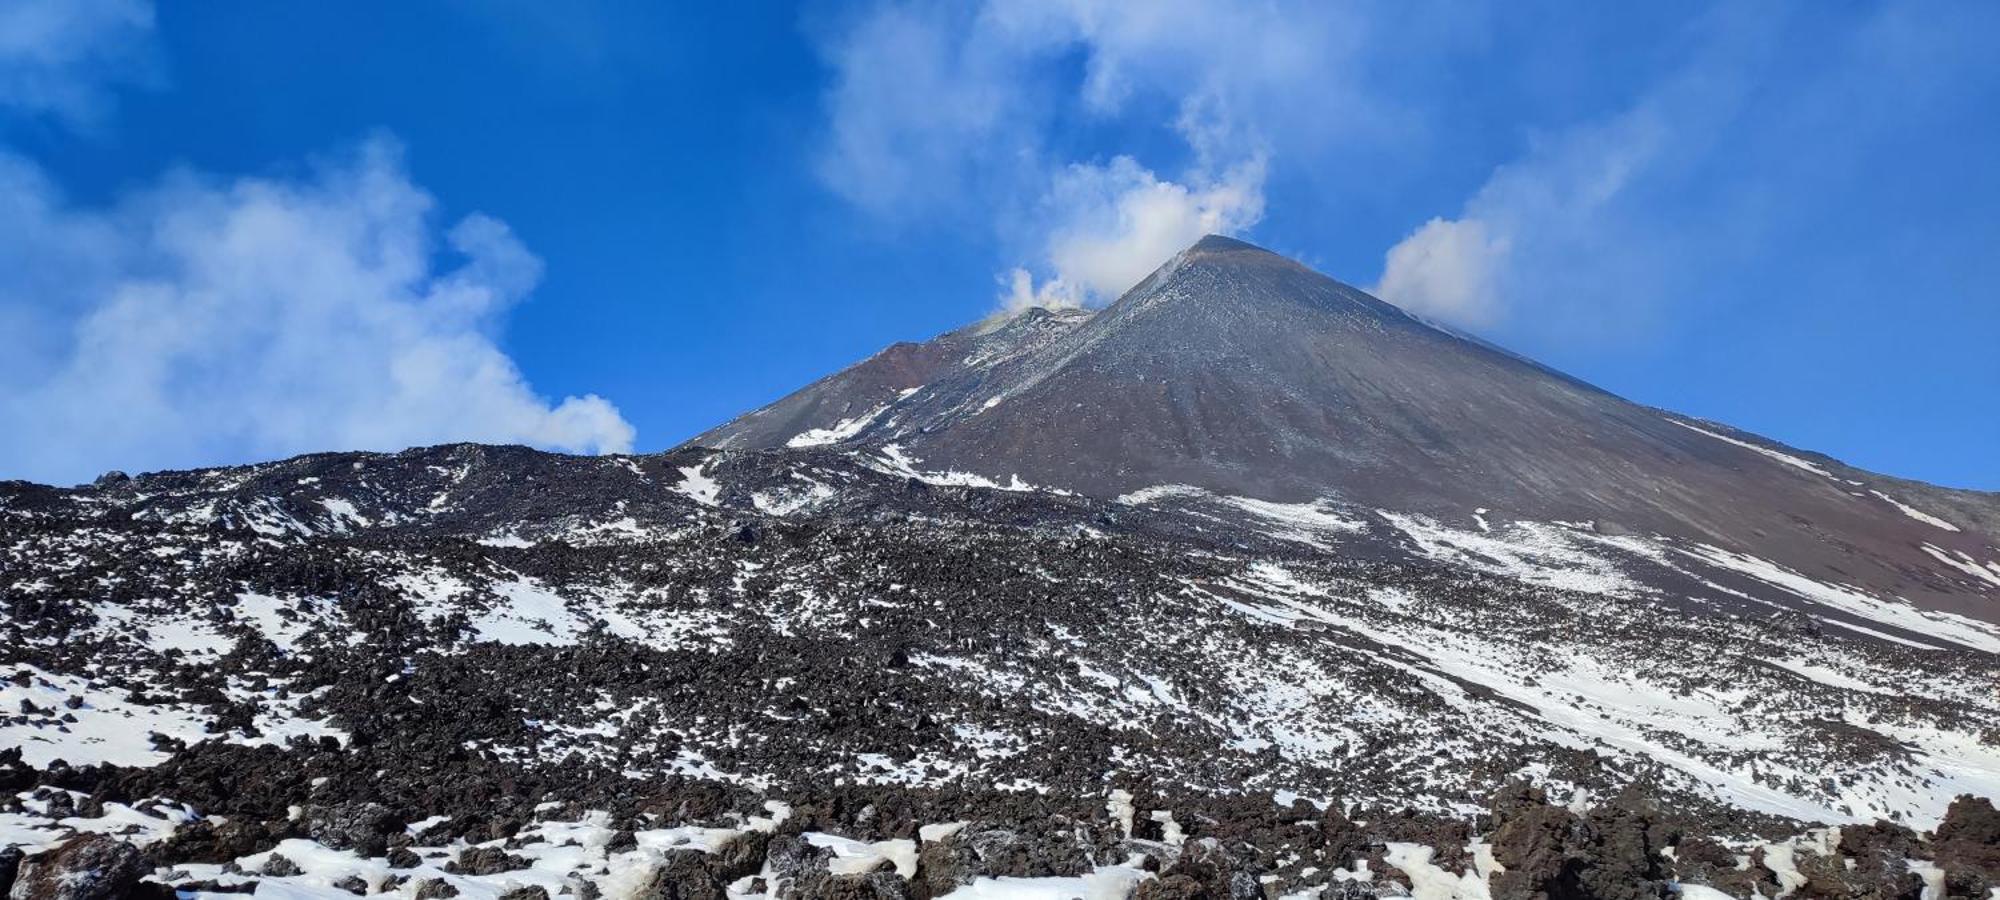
point(1913, 512)
point(1785, 458)
point(838, 431)
point(1895, 614)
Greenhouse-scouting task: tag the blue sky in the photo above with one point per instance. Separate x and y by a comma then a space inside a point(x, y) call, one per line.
point(237, 231)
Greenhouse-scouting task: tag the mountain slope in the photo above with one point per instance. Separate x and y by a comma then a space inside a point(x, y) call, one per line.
point(1237, 371)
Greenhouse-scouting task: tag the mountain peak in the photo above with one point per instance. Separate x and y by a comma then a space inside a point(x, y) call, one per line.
point(1217, 243)
point(1236, 250)
point(1216, 249)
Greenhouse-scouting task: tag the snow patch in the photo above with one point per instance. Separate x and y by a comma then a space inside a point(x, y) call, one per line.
point(527, 614)
point(696, 484)
point(343, 513)
point(1104, 883)
point(894, 461)
point(838, 431)
point(1785, 458)
point(790, 500)
point(1535, 552)
point(1428, 881)
point(1913, 512)
point(1305, 523)
point(852, 857)
point(108, 729)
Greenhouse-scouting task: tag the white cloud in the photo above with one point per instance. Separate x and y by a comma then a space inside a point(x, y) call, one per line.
point(205, 321)
point(57, 56)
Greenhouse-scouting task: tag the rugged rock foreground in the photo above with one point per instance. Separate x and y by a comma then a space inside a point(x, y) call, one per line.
point(688, 839)
point(486, 671)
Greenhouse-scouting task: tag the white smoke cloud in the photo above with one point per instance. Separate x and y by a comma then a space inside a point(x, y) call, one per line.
point(1552, 216)
point(1022, 293)
point(1447, 270)
point(1564, 234)
point(926, 103)
point(1119, 221)
point(957, 111)
point(59, 56)
point(206, 321)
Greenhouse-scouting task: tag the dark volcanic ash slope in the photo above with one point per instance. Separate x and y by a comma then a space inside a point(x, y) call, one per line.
point(1238, 371)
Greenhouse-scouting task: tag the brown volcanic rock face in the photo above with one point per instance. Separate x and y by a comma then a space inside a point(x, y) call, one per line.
point(1241, 372)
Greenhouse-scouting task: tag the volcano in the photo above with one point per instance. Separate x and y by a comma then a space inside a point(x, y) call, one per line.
point(1249, 586)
